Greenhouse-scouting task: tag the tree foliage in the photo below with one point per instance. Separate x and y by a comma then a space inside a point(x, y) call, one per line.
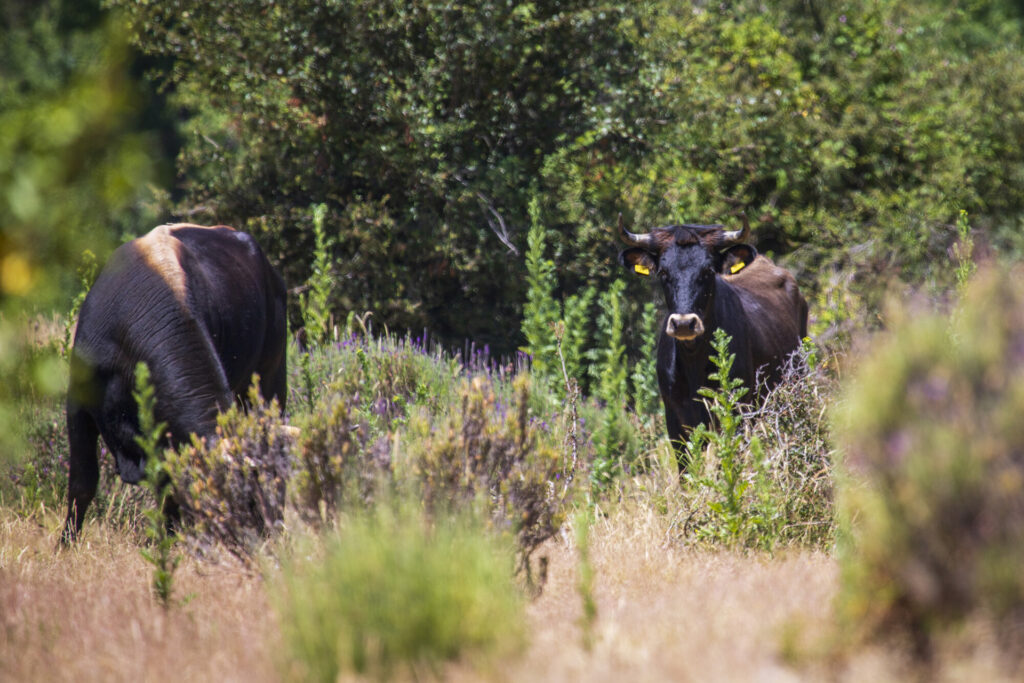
point(420, 125)
point(852, 131)
point(72, 165)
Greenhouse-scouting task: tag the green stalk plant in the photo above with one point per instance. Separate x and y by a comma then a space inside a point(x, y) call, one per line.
point(541, 310)
point(161, 555)
point(730, 517)
point(315, 301)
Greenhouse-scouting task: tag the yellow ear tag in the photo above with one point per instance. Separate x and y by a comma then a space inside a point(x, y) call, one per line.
point(643, 270)
point(737, 267)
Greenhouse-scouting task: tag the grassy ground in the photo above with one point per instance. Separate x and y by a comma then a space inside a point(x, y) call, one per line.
point(88, 615)
point(664, 612)
point(682, 587)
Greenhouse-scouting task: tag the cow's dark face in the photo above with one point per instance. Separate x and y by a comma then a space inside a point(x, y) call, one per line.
point(686, 268)
point(686, 259)
point(687, 274)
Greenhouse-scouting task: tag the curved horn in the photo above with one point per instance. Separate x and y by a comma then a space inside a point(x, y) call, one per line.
point(736, 236)
point(645, 241)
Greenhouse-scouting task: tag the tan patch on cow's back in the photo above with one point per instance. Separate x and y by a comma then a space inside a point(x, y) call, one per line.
point(161, 253)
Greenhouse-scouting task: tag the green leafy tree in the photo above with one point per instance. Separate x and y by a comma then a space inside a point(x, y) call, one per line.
point(70, 170)
point(420, 126)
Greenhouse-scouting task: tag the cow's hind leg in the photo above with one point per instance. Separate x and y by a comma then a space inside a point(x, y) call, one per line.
point(171, 509)
point(83, 470)
point(274, 381)
point(677, 437)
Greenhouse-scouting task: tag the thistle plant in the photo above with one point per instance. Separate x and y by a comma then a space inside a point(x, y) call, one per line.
point(730, 518)
point(316, 312)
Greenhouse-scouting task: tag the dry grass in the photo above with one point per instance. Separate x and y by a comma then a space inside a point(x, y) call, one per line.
point(672, 613)
point(665, 612)
point(86, 614)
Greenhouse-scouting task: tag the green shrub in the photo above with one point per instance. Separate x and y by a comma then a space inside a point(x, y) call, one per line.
point(316, 313)
point(541, 310)
point(644, 379)
point(608, 369)
point(617, 446)
point(933, 500)
point(393, 594)
point(731, 519)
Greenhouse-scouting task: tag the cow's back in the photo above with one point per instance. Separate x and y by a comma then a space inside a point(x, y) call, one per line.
point(776, 312)
point(239, 298)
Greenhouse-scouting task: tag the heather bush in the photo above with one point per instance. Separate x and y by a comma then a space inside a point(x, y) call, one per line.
point(395, 594)
point(387, 374)
point(331, 462)
point(932, 499)
point(231, 488)
point(793, 429)
point(493, 453)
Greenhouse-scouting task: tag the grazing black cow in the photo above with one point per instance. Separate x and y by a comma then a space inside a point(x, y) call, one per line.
point(204, 309)
point(712, 279)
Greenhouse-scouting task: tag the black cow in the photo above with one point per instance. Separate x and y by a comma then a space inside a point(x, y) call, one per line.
point(204, 309)
point(712, 279)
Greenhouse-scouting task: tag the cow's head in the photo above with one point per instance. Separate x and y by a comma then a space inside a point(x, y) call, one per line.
point(686, 258)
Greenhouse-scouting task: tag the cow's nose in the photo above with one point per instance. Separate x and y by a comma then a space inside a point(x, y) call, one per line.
point(684, 327)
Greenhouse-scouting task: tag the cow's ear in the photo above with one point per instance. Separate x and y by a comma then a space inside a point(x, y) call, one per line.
point(640, 261)
point(736, 258)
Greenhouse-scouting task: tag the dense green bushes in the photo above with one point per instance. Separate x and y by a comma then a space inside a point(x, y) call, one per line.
point(421, 128)
point(852, 131)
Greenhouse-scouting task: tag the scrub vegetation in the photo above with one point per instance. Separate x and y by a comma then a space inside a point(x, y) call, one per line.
point(471, 479)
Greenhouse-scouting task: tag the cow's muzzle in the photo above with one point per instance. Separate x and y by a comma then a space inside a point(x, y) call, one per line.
point(684, 327)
